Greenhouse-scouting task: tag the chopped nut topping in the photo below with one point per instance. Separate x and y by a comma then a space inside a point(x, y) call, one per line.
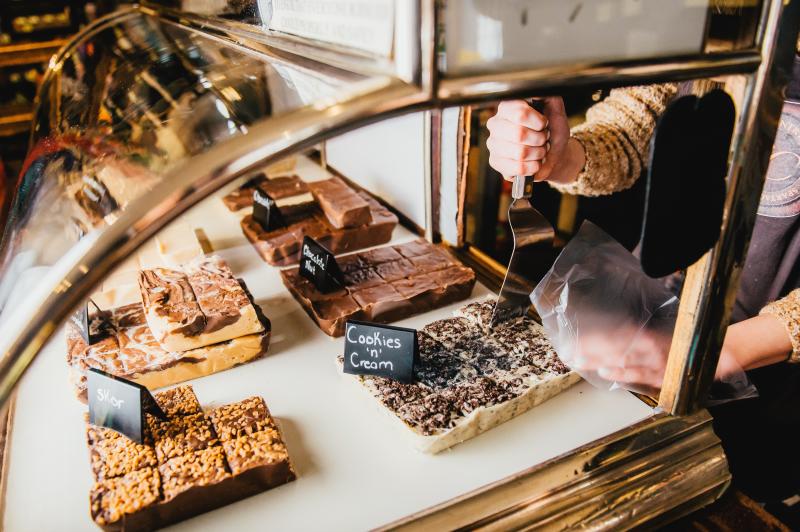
point(181, 435)
point(240, 419)
point(118, 456)
point(114, 498)
point(179, 401)
point(199, 468)
point(257, 449)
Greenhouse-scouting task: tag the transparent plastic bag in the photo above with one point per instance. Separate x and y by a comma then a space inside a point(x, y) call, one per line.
point(612, 323)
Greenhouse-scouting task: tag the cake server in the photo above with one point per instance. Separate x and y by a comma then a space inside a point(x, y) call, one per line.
point(530, 258)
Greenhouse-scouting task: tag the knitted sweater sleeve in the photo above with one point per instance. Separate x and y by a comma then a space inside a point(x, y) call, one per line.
point(616, 138)
point(787, 311)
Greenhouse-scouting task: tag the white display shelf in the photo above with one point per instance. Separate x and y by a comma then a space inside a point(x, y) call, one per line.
point(354, 470)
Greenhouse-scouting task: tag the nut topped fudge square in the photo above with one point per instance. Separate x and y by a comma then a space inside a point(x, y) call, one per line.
point(114, 457)
point(256, 449)
point(112, 499)
point(178, 401)
point(198, 468)
point(240, 419)
point(180, 435)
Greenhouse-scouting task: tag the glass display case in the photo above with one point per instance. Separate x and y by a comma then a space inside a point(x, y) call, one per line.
point(168, 135)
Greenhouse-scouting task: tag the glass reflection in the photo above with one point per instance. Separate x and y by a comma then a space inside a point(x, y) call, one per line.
point(125, 105)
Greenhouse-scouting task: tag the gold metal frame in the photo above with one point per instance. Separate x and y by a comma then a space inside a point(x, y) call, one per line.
point(663, 466)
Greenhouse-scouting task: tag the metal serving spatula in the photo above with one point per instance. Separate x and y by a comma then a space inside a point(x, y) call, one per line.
point(530, 259)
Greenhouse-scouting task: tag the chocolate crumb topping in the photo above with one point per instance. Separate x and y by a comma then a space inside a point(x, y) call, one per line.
point(463, 367)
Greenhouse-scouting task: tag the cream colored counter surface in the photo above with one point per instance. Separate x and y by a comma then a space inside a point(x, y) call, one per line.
point(354, 470)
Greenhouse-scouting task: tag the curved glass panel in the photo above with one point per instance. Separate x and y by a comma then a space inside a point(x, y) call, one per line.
point(486, 36)
point(122, 106)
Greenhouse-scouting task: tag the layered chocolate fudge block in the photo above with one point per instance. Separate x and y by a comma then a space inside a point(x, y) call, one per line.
point(281, 247)
point(278, 188)
point(126, 347)
point(470, 378)
point(341, 204)
point(384, 285)
point(189, 464)
point(200, 305)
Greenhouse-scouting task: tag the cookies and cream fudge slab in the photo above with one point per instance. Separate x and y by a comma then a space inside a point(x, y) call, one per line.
point(470, 378)
point(384, 285)
point(199, 305)
point(126, 347)
point(190, 463)
point(281, 247)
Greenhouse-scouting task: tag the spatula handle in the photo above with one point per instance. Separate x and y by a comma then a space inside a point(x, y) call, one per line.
point(523, 185)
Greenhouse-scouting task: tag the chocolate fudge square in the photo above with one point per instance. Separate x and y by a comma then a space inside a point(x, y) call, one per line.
point(383, 303)
point(112, 499)
point(198, 468)
point(341, 204)
point(241, 419)
point(114, 457)
point(178, 401)
point(277, 188)
point(181, 435)
point(264, 448)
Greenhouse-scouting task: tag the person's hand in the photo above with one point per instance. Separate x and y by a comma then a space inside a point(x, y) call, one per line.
point(627, 355)
point(523, 141)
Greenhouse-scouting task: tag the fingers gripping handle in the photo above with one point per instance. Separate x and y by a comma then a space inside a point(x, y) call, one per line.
point(523, 185)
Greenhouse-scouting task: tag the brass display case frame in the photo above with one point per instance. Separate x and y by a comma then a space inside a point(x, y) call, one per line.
point(650, 472)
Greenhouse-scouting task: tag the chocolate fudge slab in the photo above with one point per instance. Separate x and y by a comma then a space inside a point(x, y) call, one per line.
point(384, 285)
point(129, 350)
point(470, 378)
point(201, 304)
point(281, 247)
point(278, 188)
point(249, 459)
point(341, 204)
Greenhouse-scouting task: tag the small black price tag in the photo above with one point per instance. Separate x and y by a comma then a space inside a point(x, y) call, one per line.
point(80, 320)
point(319, 266)
point(382, 350)
point(120, 404)
point(266, 212)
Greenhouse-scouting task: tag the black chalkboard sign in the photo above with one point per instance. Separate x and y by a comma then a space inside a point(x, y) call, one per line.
point(383, 350)
point(319, 266)
point(120, 404)
point(266, 212)
point(80, 320)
